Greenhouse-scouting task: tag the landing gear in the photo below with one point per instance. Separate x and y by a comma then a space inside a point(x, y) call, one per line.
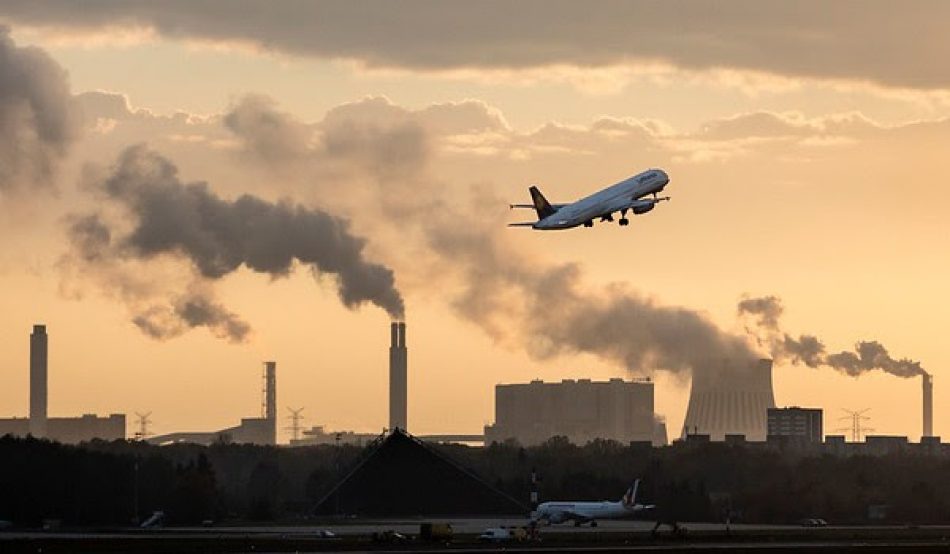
point(624, 222)
point(589, 223)
point(577, 524)
point(593, 524)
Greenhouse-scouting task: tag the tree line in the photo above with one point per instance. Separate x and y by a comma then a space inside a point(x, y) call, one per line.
point(117, 483)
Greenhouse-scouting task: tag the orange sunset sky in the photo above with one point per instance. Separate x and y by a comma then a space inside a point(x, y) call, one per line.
point(808, 146)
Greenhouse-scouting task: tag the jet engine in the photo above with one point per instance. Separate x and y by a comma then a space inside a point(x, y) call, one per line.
point(644, 208)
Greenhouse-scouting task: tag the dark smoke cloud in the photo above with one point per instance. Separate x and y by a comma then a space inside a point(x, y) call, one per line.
point(812, 38)
point(38, 117)
point(217, 236)
point(157, 312)
point(192, 310)
point(810, 351)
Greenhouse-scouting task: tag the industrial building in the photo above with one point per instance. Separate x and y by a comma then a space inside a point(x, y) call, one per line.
point(62, 429)
point(253, 430)
point(318, 435)
point(398, 378)
point(797, 423)
point(727, 398)
point(581, 410)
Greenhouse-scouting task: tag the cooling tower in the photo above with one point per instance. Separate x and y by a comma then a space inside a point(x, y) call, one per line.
point(928, 405)
point(725, 399)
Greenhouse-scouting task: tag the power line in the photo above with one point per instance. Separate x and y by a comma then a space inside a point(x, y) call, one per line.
point(857, 429)
point(142, 421)
point(295, 418)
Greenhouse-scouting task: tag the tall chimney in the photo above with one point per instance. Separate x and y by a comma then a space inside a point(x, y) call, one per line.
point(928, 405)
point(38, 381)
point(270, 399)
point(397, 377)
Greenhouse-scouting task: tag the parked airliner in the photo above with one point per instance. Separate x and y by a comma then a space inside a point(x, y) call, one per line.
point(627, 195)
point(590, 512)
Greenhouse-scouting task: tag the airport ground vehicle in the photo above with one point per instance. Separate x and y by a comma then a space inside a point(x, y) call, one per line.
point(504, 534)
point(436, 532)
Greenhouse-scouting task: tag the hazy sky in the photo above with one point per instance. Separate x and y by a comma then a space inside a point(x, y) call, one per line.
point(355, 155)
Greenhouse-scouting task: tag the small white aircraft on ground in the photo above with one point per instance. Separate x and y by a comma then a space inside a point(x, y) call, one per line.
point(590, 512)
point(626, 195)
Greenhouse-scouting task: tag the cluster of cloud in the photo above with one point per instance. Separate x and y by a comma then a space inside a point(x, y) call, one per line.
point(765, 313)
point(38, 117)
point(844, 40)
point(162, 217)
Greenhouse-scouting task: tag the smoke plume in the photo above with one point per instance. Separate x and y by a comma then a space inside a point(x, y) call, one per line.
point(765, 313)
point(167, 218)
point(38, 117)
point(550, 311)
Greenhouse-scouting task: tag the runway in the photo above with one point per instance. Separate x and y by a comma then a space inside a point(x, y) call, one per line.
point(609, 536)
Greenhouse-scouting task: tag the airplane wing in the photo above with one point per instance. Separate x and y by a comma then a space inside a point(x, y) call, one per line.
point(531, 206)
point(636, 205)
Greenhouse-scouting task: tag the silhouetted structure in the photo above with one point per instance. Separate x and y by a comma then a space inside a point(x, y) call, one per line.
point(62, 429)
point(317, 435)
point(253, 430)
point(70, 430)
point(398, 385)
point(726, 399)
point(798, 423)
point(39, 350)
point(928, 405)
point(402, 476)
point(270, 399)
point(581, 410)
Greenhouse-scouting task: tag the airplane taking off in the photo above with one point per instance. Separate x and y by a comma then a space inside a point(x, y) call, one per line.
point(584, 512)
point(626, 195)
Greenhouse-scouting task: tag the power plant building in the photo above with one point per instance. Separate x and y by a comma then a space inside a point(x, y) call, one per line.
point(581, 410)
point(730, 399)
point(61, 429)
point(252, 430)
point(801, 423)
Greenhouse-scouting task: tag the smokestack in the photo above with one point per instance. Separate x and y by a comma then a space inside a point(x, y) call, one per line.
point(270, 398)
point(928, 381)
point(38, 381)
point(397, 377)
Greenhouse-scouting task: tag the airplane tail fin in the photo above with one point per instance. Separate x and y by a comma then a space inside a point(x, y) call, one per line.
point(541, 204)
point(630, 497)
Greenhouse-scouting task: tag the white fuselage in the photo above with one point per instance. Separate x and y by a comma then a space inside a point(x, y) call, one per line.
point(621, 196)
point(559, 512)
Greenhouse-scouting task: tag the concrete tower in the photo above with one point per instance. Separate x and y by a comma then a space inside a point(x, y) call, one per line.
point(728, 400)
point(38, 381)
point(928, 405)
point(397, 377)
point(270, 399)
